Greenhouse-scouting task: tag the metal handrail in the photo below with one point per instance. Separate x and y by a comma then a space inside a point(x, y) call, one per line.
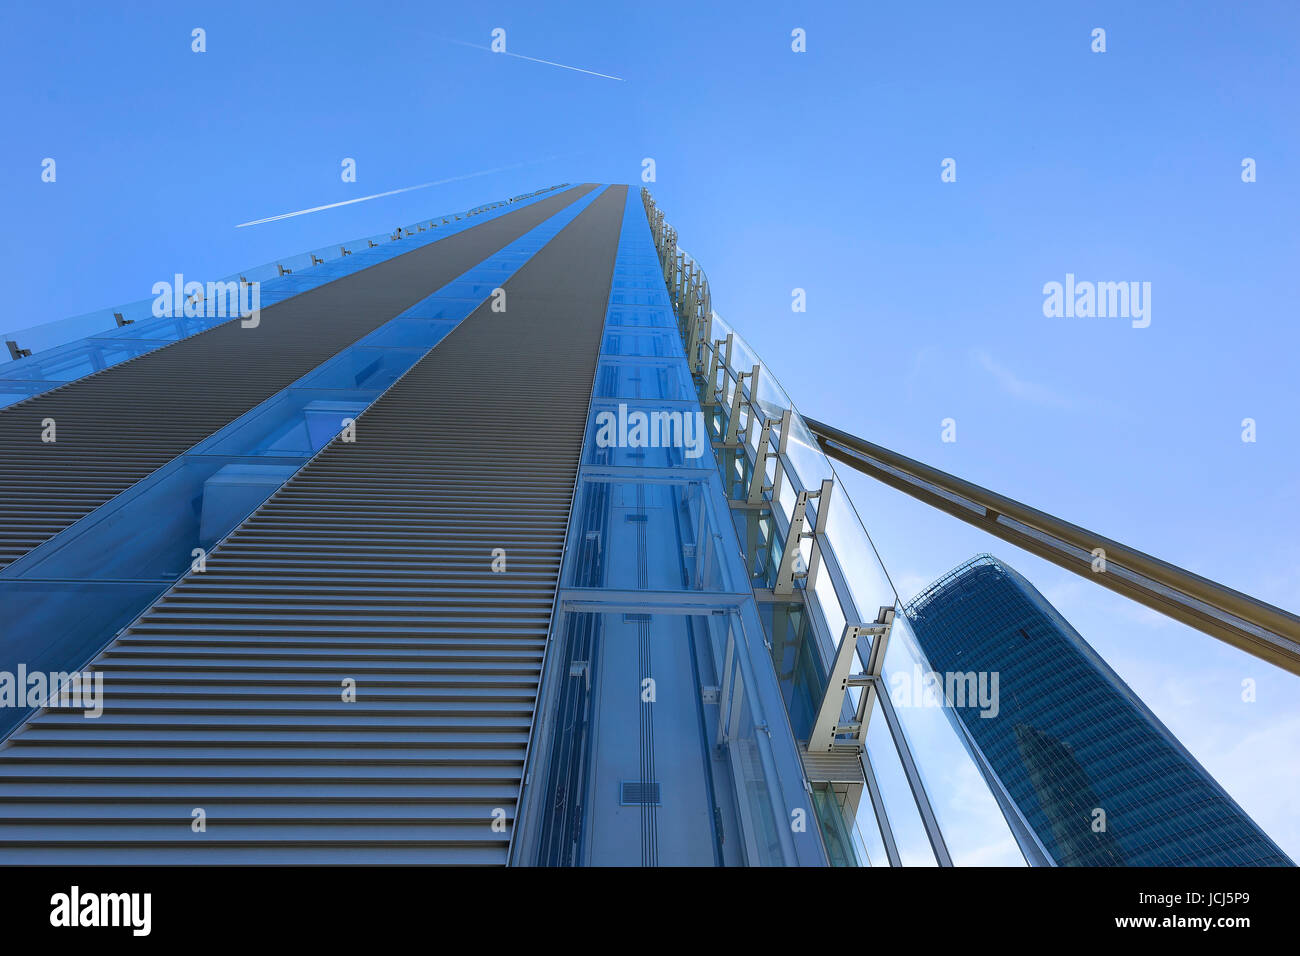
point(1259, 628)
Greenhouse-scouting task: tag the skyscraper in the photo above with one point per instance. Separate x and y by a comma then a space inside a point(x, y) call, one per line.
point(485, 541)
point(1100, 780)
point(439, 529)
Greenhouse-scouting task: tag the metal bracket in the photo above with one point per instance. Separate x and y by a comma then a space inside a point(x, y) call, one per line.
point(758, 483)
point(798, 518)
point(716, 350)
point(829, 726)
point(696, 359)
point(694, 331)
point(737, 399)
point(581, 669)
point(723, 363)
point(786, 574)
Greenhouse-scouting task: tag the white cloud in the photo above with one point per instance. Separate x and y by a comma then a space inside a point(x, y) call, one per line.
point(1017, 387)
point(1261, 772)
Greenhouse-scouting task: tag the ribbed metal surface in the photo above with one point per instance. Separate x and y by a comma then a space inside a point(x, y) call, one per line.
point(374, 563)
point(117, 426)
point(840, 767)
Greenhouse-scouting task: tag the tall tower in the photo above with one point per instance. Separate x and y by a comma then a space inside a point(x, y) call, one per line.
point(1099, 778)
point(362, 573)
point(486, 541)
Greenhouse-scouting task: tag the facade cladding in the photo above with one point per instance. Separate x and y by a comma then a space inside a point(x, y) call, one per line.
point(1070, 738)
point(321, 610)
point(349, 676)
point(491, 542)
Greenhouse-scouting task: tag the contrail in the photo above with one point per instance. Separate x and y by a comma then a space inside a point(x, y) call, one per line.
point(391, 192)
point(562, 66)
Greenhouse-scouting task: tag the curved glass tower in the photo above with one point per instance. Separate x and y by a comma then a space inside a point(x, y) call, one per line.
point(1101, 781)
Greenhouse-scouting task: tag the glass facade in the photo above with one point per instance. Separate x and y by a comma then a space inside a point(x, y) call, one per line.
point(68, 349)
point(721, 678)
point(664, 739)
point(122, 556)
point(758, 531)
point(1099, 779)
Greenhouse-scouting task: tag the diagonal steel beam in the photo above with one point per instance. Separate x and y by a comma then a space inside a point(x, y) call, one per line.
point(1247, 623)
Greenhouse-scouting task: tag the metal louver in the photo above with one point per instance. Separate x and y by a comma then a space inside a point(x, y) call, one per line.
point(373, 564)
point(120, 424)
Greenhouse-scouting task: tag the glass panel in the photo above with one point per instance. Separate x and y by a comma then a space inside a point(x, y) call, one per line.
point(647, 435)
point(16, 390)
point(296, 423)
point(288, 276)
point(830, 814)
point(652, 535)
point(974, 829)
point(409, 333)
point(868, 842)
point(654, 342)
point(854, 584)
point(638, 767)
point(150, 530)
point(441, 307)
point(165, 329)
point(61, 625)
point(756, 530)
point(647, 379)
point(358, 367)
point(660, 532)
point(642, 318)
point(904, 817)
point(796, 662)
point(68, 362)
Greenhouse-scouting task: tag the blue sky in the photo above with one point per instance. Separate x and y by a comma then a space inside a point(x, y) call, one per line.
point(820, 171)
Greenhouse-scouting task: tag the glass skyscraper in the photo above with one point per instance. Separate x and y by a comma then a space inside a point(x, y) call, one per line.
point(1098, 778)
point(486, 541)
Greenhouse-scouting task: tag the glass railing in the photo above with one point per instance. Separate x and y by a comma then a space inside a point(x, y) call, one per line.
point(929, 803)
point(75, 591)
point(49, 354)
point(970, 822)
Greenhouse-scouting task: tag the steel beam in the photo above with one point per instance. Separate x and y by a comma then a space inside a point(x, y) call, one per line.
point(1251, 625)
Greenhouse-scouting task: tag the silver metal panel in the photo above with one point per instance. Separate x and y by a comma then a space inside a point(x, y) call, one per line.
point(374, 564)
point(118, 425)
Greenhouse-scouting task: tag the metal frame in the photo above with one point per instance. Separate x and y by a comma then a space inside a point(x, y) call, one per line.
point(1261, 629)
point(737, 608)
point(1251, 625)
point(674, 261)
point(830, 726)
